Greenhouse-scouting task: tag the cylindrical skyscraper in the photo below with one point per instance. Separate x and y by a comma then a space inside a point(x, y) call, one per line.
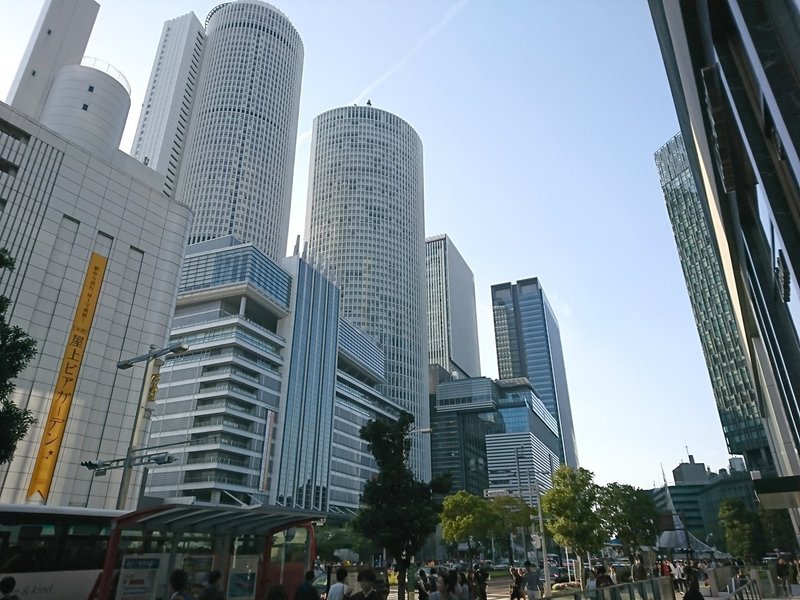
point(366, 220)
point(238, 162)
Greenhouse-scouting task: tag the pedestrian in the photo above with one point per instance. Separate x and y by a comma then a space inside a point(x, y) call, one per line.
point(782, 571)
point(603, 578)
point(445, 590)
point(307, 591)
point(212, 590)
point(517, 589)
point(366, 580)
point(639, 570)
point(463, 586)
point(7, 585)
point(679, 580)
point(532, 580)
point(694, 591)
point(481, 581)
point(340, 590)
point(178, 580)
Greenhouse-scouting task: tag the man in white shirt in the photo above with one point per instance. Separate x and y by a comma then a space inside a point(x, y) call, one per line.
point(339, 590)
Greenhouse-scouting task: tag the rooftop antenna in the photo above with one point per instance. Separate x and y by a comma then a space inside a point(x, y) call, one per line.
point(663, 475)
point(369, 102)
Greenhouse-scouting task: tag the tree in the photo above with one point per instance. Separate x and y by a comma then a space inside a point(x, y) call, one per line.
point(397, 511)
point(16, 351)
point(509, 514)
point(571, 507)
point(744, 534)
point(778, 529)
point(331, 539)
point(630, 515)
point(466, 517)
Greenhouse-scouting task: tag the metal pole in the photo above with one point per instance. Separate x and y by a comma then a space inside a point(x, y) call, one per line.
point(519, 491)
point(546, 564)
point(127, 469)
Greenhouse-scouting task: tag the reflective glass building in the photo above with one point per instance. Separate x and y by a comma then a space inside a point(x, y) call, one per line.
point(724, 351)
point(529, 345)
point(733, 70)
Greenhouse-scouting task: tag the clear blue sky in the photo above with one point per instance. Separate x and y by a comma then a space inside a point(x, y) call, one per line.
point(539, 120)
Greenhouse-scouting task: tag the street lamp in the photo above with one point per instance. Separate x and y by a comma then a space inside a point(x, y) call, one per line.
point(149, 371)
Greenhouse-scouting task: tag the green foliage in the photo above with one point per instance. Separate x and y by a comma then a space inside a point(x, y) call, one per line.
point(630, 515)
point(465, 518)
point(744, 533)
point(509, 513)
point(16, 351)
point(778, 529)
point(397, 511)
point(571, 508)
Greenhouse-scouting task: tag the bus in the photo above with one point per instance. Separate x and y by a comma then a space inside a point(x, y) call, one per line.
point(53, 552)
point(57, 553)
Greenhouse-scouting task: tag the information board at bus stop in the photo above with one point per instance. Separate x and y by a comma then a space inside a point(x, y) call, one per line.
point(138, 578)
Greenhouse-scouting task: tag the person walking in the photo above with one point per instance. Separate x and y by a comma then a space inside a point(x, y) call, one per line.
point(603, 578)
point(639, 570)
point(340, 590)
point(178, 580)
point(7, 585)
point(481, 581)
point(532, 580)
point(212, 590)
point(307, 591)
point(366, 580)
point(445, 589)
point(782, 571)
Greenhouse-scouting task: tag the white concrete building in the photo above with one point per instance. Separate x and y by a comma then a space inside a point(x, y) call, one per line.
point(365, 220)
point(98, 252)
point(164, 120)
point(452, 317)
point(236, 168)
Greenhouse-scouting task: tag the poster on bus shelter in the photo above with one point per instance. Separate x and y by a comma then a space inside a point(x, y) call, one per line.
point(138, 578)
point(197, 567)
point(242, 577)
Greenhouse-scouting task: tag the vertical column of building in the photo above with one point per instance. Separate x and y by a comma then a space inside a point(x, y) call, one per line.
point(366, 220)
point(164, 120)
point(237, 167)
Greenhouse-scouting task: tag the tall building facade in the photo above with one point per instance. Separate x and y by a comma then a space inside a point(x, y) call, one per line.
point(266, 405)
point(164, 120)
point(733, 69)
point(365, 220)
point(234, 95)
point(529, 345)
point(98, 251)
point(731, 380)
point(452, 318)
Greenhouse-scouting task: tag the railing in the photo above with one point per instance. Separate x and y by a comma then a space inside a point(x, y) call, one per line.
point(659, 588)
point(749, 591)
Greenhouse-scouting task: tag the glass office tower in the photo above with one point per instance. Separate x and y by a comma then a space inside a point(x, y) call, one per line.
point(529, 345)
point(723, 349)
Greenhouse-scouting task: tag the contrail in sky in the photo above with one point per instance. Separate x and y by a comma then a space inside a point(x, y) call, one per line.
point(448, 16)
point(454, 9)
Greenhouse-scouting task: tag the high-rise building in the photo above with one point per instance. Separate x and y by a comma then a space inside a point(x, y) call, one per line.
point(98, 251)
point(529, 345)
point(235, 97)
point(731, 380)
point(452, 319)
point(365, 220)
point(266, 405)
point(480, 428)
point(733, 69)
point(164, 120)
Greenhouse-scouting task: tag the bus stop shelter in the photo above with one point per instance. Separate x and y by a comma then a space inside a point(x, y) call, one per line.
point(253, 548)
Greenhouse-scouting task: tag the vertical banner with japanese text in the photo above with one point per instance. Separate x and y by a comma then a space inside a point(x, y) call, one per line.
point(67, 379)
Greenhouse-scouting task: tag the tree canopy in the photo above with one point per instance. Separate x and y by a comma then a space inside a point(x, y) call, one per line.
point(16, 351)
point(571, 507)
point(744, 534)
point(466, 518)
point(630, 515)
point(397, 511)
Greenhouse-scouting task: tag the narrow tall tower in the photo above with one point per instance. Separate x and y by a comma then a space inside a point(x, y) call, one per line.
point(237, 164)
point(529, 345)
point(366, 221)
point(452, 318)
